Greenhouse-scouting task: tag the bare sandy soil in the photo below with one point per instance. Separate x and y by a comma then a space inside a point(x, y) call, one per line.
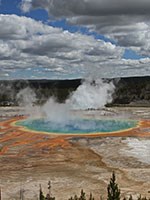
point(74, 163)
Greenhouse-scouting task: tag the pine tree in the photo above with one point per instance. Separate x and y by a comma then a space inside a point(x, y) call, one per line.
point(140, 197)
point(130, 198)
point(49, 195)
point(41, 195)
point(71, 198)
point(74, 198)
point(82, 196)
point(113, 190)
point(91, 197)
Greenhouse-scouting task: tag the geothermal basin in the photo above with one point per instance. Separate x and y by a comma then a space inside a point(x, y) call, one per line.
point(77, 126)
point(77, 154)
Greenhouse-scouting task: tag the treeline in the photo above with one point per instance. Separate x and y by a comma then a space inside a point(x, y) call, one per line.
point(128, 91)
point(133, 91)
point(43, 89)
point(112, 189)
point(113, 193)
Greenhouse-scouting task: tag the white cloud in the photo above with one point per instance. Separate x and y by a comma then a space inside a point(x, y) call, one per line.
point(26, 5)
point(127, 22)
point(31, 49)
point(128, 31)
point(26, 43)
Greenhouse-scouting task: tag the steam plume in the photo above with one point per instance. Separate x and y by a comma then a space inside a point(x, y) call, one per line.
point(92, 94)
point(26, 98)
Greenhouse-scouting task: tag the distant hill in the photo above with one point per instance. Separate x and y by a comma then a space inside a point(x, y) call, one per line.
point(133, 91)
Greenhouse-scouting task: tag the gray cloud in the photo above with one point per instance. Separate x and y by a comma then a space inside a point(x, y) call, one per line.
point(126, 22)
point(90, 8)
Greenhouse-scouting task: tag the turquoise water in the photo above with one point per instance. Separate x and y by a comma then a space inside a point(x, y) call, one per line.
point(79, 126)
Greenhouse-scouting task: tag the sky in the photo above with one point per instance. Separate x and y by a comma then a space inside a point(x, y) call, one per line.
point(68, 39)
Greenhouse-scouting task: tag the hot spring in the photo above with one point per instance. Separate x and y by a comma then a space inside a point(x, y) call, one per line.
point(76, 126)
point(60, 118)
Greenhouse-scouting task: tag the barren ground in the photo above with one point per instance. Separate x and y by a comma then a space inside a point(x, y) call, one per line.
point(74, 163)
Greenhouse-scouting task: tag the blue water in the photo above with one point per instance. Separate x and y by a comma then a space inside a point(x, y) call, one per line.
point(80, 126)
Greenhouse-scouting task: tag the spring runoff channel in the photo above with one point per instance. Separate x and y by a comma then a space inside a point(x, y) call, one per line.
point(77, 126)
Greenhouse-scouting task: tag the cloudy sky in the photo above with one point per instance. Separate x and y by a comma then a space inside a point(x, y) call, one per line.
point(66, 39)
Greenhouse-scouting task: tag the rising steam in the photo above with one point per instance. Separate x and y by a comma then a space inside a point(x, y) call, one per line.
point(56, 112)
point(26, 98)
point(93, 94)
